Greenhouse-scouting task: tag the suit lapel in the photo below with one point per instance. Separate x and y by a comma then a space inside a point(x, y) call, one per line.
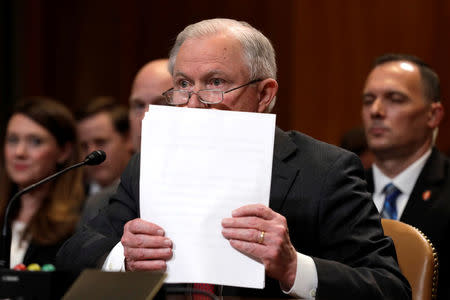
point(283, 174)
point(29, 253)
point(369, 179)
point(428, 181)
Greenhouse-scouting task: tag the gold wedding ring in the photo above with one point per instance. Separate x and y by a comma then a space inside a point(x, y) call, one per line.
point(261, 237)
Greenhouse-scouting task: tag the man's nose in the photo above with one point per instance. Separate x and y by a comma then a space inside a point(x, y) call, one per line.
point(377, 108)
point(194, 102)
point(91, 147)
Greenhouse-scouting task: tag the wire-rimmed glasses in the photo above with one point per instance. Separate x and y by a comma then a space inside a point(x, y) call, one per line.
point(207, 96)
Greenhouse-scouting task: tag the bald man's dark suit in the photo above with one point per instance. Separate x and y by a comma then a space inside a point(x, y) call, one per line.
point(320, 190)
point(432, 215)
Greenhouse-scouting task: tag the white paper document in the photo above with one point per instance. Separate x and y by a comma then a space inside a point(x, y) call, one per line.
point(197, 166)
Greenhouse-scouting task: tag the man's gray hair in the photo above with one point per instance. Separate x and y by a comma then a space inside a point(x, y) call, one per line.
point(258, 52)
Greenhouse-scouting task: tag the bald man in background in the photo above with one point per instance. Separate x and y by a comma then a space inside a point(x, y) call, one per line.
point(410, 177)
point(150, 82)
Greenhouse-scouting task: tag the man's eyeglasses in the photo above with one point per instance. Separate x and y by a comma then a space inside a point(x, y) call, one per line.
point(207, 96)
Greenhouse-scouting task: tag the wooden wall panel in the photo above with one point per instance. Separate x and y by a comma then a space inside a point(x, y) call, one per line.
point(335, 46)
point(440, 58)
point(76, 50)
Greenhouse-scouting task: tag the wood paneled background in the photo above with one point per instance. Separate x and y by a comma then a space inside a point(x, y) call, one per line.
point(76, 50)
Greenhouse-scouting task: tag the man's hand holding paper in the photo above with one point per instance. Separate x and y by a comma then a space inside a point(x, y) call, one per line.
point(259, 232)
point(145, 246)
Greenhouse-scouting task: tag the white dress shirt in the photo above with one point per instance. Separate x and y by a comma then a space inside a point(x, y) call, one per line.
point(304, 287)
point(405, 182)
point(18, 247)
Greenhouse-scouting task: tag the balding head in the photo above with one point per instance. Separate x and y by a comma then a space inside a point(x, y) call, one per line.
point(150, 82)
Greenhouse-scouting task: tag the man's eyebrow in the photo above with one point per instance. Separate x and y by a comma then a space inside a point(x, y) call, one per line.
point(386, 92)
point(394, 91)
point(208, 74)
point(398, 94)
point(214, 73)
point(179, 74)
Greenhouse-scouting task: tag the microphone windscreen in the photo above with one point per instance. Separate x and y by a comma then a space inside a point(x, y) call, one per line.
point(95, 158)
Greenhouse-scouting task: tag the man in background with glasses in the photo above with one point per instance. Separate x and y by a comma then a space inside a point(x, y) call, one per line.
point(321, 236)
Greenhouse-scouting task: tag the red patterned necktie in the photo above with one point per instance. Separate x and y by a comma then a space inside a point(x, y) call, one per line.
point(203, 287)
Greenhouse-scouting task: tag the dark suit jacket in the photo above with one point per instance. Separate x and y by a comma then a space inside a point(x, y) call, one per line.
point(36, 253)
point(432, 216)
point(320, 190)
point(95, 203)
point(40, 254)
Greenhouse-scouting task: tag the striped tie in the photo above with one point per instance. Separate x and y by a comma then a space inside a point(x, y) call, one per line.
point(208, 288)
point(390, 208)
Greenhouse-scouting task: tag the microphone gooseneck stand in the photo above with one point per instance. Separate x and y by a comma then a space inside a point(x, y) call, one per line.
point(93, 158)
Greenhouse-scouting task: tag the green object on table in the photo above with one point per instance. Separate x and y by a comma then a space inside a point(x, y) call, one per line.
point(48, 268)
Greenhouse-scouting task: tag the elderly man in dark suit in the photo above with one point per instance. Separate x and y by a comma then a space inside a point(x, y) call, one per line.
point(321, 236)
point(410, 179)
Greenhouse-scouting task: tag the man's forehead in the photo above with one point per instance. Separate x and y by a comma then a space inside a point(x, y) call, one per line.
point(151, 82)
point(215, 46)
point(399, 68)
point(99, 120)
point(150, 91)
point(216, 54)
point(397, 76)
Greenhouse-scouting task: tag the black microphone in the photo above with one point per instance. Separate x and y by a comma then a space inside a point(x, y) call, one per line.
point(94, 158)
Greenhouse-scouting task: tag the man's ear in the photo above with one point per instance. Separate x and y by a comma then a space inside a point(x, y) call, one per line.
point(66, 151)
point(267, 90)
point(435, 115)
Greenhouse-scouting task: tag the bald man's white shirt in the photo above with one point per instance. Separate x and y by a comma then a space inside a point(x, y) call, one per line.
point(405, 182)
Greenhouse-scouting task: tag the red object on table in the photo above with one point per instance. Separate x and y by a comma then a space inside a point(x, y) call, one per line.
point(20, 267)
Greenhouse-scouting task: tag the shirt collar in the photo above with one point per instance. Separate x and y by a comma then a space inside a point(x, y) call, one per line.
point(404, 181)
